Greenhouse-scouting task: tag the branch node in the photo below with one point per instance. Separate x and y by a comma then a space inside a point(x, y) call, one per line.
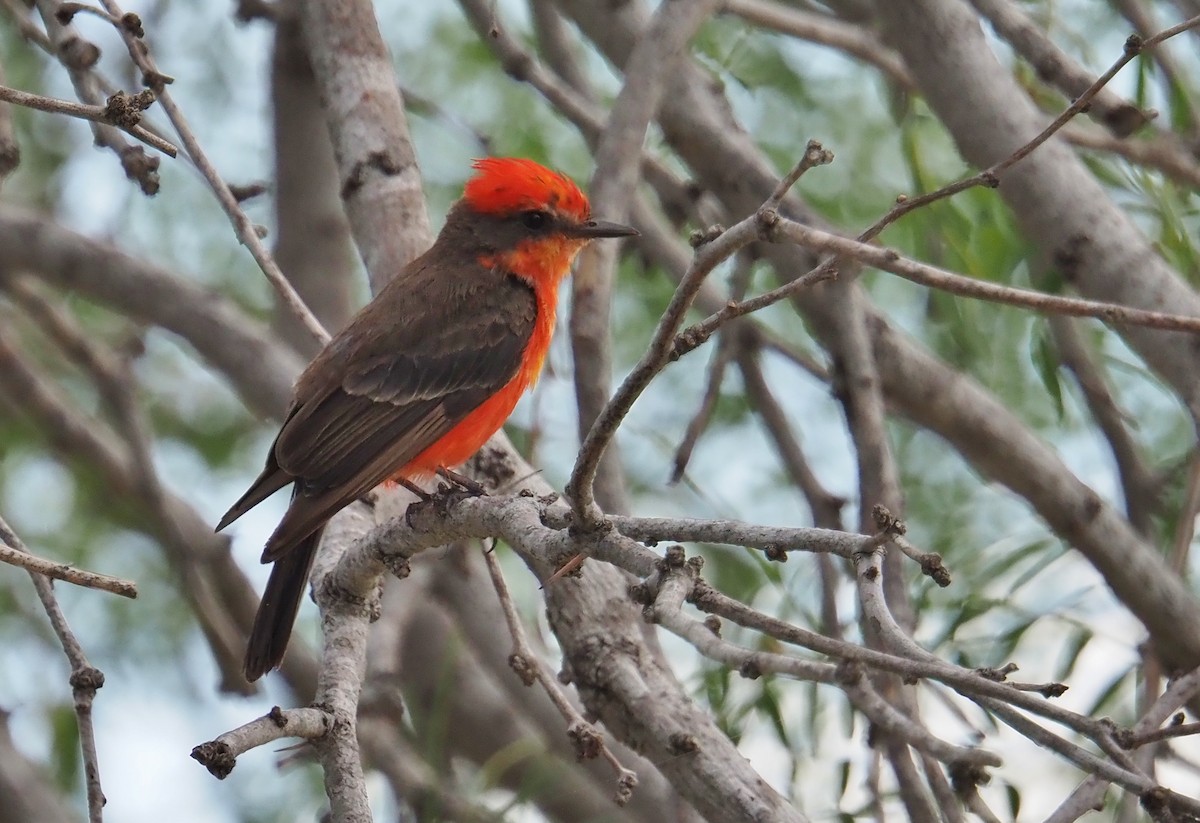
point(768, 220)
point(933, 567)
point(156, 80)
point(523, 668)
point(124, 110)
point(216, 757)
point(713, 624)
point(750, 670)
point(66, 12)
point(89, 678)
point(245, 191)
point(775, 553)
point(1052, 690)
point(997, 675)
point(78, 54)
point(626, 782)
point(397, 565)
point(588, 742)
point(277, 717)
point(682, 743)
point(848, 672)
point(887, 522)
point(141, 167)
point(702, 237)
point(640, 593)
point(133, 24)
point(674, 558)
point(1155, 800)
point(966, 776)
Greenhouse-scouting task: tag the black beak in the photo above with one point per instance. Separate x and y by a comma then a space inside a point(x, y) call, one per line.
point(593, 229)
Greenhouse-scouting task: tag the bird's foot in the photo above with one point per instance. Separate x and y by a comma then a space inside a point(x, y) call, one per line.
point(458, 487)
point(466, 484)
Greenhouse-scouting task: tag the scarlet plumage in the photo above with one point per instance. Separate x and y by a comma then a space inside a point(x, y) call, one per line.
point(425, 373)
point(506, 185)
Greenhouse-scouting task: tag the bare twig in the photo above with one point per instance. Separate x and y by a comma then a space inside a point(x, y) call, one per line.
point(210, 578)
point(1138, 482)
point(122, 111)
point(721, 357)
point(1163, 152)
point(613, 185)
point(529, 666)
point(854, 40)
point(709, 255)
point(79, 57)
point(891, 261)
point(220, 755)
point(1057, 68)
point(243, 226)
point(85, 680)
point(67, 573)
point(10, 150)
point(990, 177)
point(1177, 78)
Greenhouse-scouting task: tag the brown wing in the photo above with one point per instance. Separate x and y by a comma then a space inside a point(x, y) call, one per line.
point(380, 394)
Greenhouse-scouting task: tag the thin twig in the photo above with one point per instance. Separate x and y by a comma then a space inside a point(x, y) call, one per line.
point(1185, 529)
point(892, 261)
point(220, 754)
point(1057, 68)
point(529, 666)
point(1163, 152)
point(855, 40)
point(710, 254)
point(1140, 486)
point(85, 679)
point(717, 368)
point(67, 573)
point(990, 177)
point(122, 111)
point(243, 226)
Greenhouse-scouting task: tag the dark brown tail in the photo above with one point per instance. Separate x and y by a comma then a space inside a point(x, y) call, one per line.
point(277, 611)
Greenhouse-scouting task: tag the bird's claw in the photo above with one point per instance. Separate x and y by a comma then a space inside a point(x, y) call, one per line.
point(471, 487)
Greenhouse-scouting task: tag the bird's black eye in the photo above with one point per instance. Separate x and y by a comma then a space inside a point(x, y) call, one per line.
point(535, 220)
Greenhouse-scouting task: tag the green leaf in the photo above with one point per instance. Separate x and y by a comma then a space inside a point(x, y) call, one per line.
point(1077, 641)
point(65, 757)
point(1104, 701)
point(1045, 362)
point(1014, 800)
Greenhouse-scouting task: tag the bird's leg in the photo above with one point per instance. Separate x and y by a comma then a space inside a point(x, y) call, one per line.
point(461, 480)
point(420, 493)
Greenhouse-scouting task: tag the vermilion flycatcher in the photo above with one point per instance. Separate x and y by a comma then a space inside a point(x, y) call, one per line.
point(424, 374)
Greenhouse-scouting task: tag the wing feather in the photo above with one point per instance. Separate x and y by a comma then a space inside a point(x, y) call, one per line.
point(391, 397)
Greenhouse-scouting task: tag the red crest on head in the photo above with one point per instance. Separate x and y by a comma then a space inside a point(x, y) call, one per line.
point(505, 185)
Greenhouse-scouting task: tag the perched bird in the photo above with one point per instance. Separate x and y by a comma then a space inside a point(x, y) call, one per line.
point(424, 374)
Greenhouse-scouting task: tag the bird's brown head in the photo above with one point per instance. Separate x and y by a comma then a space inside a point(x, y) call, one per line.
point(527, 218)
